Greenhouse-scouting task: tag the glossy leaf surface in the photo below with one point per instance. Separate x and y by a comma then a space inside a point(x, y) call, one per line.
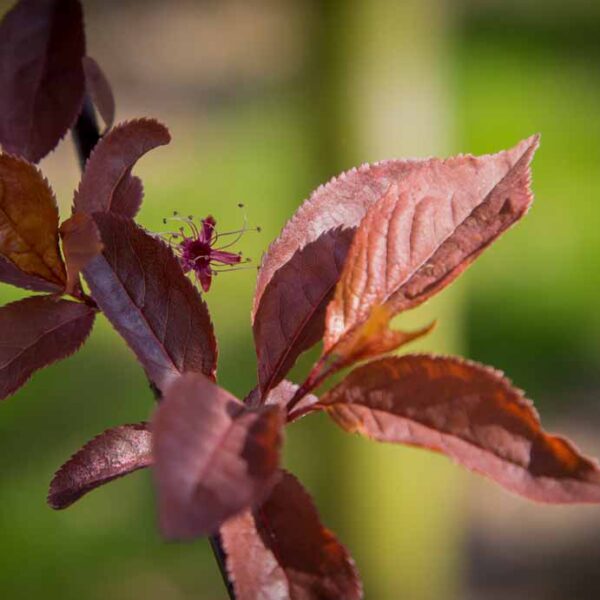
point(112, 454)
point(426, 230)
point(472, 414)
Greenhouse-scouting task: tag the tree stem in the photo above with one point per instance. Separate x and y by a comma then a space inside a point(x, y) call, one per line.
point(86, 134)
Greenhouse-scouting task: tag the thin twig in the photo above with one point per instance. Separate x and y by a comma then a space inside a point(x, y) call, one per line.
point(86, 135)
point(221, 558)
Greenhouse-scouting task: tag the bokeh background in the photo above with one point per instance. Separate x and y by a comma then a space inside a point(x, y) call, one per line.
point(265, 100)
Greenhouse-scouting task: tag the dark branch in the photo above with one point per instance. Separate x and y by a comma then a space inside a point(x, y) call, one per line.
point(86, 133)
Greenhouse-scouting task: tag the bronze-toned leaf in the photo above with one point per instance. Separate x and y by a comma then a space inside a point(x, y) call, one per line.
point(472, 414)
point(98, 87)
point(281, 550)
point(106, 184)
point(112, 454)
point(42, 43)
point(29, 221)
point(81, 243)
point(11, 274)
point(426, 230)
point(37, 332)
point(142, 291)
point(214, 457)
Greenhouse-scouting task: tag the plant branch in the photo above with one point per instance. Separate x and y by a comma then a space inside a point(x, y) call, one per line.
point(221, 558)
point(86, 134)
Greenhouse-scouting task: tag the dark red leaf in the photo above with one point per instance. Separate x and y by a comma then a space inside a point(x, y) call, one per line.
point(284, 392)
point(36, 332)
point(29, 222)
point(100, 91)
point(41, 75)
point(470, 413)
point(283, 551)
point(112, 454)
point(11, 274)
point(425, 231)
point(140, 287)
point(291, 315)
point(81, 243)
point(214, 456)
point(106, 184)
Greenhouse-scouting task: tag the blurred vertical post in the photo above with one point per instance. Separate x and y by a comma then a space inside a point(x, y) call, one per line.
point(382, 91)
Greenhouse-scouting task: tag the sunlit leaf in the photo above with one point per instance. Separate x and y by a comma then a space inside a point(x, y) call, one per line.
point(41, 75)
point(107, 181)
point(281, 550)
point(36, 332)
point(140, 287)
point(81, 243)
point(469, 412)
point(214, 456)
point(29, 221)
point(426, 230)
point(369, 339)
point(98, 87)
point(112, 454)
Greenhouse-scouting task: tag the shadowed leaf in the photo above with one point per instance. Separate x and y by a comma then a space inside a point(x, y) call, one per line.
point(100, 91)
point(11, 274)
point(36, 332)
point(469, 412)
point(283, 551)
point(140, 287)
point(214, 456)
point(29, 221)
point(291, 315)
point(112, 454)
point(81, 243)
point(107, 183)
point(425, 231)
point(41, 75)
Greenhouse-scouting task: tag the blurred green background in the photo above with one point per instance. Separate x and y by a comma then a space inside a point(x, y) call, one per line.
point(266, 100)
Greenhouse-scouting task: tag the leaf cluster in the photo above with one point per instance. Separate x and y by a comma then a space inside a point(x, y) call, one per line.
point(372, 243)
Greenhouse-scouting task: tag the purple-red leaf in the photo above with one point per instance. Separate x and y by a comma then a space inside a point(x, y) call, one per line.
point(99, 89)
point(291, 315)
point(81, 243)
point(113, 453)
point(36, 332)
point(214, 457)
point(472, 414)
point(41, 75)
point(281, 550)
point(29, 222)
point(107, 183)
point(140, 287)
point(425, 231)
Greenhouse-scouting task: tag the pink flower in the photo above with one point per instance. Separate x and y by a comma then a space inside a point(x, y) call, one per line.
point(197, 252)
